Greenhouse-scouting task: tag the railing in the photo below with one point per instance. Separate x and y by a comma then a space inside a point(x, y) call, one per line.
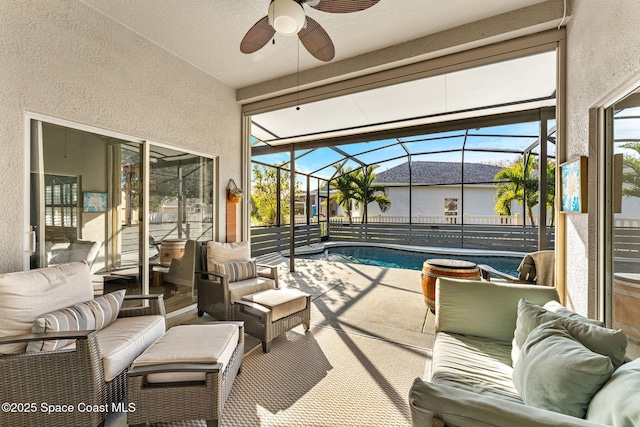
point(517, 219)
point(487, 233)
point(520, 239)
point(627, 222)
point(265, 240)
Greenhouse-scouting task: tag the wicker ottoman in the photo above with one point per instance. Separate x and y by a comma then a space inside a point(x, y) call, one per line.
point(271, 313)
point(186, 375)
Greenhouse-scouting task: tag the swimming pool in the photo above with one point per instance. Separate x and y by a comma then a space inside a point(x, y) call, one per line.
point(407, 259)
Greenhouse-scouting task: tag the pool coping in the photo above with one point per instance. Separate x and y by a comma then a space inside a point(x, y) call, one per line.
point(317, 248)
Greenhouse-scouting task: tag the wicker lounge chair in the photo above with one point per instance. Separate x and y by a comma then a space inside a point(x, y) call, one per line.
point(227, 274)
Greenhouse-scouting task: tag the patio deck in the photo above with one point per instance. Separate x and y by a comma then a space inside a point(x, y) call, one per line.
point(371, 335)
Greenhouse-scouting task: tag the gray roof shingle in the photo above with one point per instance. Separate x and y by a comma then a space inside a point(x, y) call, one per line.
point(438, 173)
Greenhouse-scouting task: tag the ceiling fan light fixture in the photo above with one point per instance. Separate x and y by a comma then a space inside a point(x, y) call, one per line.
point(287, 17)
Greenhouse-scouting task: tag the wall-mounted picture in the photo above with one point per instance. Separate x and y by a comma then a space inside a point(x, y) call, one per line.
point(94, 202)
point(573, 185)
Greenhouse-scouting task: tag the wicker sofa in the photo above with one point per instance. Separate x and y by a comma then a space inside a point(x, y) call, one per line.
point(482, 327)
point(78, 374)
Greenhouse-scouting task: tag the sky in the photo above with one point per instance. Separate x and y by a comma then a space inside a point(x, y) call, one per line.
point(423, 148)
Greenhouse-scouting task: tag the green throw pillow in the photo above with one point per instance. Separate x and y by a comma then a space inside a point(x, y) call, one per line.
point(618, 402)
point(556, 307)
point(557, 373)
point(607, 342)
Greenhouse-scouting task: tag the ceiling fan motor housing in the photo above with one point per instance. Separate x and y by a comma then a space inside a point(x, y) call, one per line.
point(287, 17)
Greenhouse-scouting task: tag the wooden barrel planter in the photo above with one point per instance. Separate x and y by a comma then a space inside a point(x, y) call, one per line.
point(626, 300)
point(434, 268)
point(170, 249)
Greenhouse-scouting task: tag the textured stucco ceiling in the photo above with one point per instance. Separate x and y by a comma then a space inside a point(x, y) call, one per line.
point(207, 33)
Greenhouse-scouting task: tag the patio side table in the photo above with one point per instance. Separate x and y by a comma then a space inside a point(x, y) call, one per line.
point(434, 268)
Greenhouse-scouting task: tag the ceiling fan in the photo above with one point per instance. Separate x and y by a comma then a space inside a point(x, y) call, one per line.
point(287, 17)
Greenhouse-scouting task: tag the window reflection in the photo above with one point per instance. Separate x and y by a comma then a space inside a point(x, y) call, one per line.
point(625, 292)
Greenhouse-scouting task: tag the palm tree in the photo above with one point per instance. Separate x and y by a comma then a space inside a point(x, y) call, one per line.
point(345, 186)
point(367, 192)
point(631, 171)
point(514, 181)
point(551, 189)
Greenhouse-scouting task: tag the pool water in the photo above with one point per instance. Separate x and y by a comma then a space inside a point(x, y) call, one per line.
point(411, 260)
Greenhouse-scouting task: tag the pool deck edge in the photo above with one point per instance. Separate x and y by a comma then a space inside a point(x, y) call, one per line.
point(320, 247)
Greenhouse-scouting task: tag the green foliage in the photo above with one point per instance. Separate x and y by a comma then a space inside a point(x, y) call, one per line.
point(355, 188)
point(631, 171)
point(366, 192)
point(345, 188)
point(264, 205)
point(514, 181)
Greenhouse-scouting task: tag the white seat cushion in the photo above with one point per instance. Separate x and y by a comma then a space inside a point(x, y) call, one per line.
point(249, 286)
point(190, 344)
point(475, 364)
point(125, 339)
point(281, 301)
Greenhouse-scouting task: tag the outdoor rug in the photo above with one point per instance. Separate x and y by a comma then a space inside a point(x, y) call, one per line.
point(323, 377)
point(370, 337)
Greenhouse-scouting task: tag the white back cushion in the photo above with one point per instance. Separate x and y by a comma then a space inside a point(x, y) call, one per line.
point(26, 295)
point(219, 253)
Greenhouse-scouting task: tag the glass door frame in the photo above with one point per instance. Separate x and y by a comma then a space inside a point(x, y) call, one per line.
point(33, 129)
point(601, 138)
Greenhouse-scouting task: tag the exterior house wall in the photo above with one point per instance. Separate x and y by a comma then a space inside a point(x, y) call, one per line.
point(602, 56)
point(65, 60)
point(429, 201)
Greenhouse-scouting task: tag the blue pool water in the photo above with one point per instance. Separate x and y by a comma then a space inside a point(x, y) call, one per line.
point(397, 258)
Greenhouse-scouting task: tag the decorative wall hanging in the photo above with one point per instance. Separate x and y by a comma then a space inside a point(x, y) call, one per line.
point(573, 185)
point(94, 202)
point(234, 194)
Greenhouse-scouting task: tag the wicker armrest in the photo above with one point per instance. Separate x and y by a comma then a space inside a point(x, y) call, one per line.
point(156, 306)
point(174, 367)
point(222, 280)
point(487, 270)
point(204, 275)
point(45, 336)
point(272, 274)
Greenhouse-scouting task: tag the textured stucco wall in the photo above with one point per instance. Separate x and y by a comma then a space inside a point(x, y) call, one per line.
point(602, 55)
point(64, 59)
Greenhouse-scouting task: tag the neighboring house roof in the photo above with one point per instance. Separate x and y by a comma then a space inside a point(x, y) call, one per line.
point(438, 173)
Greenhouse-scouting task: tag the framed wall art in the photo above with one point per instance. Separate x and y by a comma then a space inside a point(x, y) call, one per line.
point(94, 202)
point(573, 186)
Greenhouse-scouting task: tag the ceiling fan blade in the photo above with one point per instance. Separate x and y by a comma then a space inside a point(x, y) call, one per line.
point(316, 40)
point(343, 6)
point(257, 36)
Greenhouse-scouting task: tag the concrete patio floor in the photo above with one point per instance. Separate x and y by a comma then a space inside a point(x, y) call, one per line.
point(383, 303)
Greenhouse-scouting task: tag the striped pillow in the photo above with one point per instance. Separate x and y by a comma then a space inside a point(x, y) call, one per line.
point(106, 308)
point(237, 271)
point(90, 315)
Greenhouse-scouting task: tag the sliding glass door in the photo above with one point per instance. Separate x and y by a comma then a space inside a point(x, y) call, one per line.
point(622, 284)
point(115, 203)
